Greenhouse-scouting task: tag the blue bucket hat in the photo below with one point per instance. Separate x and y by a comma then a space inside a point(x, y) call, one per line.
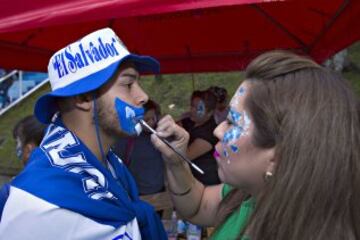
point(86, 65)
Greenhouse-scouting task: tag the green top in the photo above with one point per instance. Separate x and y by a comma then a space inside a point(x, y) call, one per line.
point(235, 223)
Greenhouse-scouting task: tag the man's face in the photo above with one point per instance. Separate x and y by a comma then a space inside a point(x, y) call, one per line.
point(125, 86)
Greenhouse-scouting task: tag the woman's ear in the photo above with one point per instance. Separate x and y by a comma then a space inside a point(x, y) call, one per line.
point(271, 160)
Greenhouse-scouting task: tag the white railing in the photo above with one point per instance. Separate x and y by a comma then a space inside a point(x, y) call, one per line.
point(8, 76)
point(22, 95)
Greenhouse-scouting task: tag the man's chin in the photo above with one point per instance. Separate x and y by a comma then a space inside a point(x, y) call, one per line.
point(122, 134)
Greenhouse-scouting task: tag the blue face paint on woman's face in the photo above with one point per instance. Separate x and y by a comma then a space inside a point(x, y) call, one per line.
point(128, 117)
point(241, 91)
point(235, 115)
point(200, 109)
point(19, 149)
point(240, 126)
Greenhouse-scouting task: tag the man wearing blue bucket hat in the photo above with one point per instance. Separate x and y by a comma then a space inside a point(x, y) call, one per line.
point(75, 187)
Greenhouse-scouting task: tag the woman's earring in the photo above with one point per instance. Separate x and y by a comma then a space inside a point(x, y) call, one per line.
point(267, 176)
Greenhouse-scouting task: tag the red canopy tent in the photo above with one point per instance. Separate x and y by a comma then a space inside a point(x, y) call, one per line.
point(186, 36)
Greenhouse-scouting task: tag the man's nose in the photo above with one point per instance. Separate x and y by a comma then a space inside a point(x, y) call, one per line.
point(141, 97)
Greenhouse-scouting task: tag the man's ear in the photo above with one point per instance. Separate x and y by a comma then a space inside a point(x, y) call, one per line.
point(84, 102)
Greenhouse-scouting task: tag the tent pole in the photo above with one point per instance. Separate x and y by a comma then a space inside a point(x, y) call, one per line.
point(193, 81)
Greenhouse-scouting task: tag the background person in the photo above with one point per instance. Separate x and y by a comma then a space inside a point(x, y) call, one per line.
point(202, 141)
point(222, 109)
point(186, 119)
point(28, 133)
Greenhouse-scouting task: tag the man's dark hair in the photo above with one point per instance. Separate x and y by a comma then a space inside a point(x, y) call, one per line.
point(29, 129)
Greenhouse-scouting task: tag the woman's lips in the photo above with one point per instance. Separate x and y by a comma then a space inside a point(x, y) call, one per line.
point(216, 154)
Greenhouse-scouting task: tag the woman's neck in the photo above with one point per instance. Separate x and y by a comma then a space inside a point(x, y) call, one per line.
point(197, 124)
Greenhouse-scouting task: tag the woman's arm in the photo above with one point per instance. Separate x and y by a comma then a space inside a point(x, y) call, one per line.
point(200, 204)
point(191, 199)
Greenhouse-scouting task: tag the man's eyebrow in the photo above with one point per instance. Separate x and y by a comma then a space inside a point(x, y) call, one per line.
point(131, 75)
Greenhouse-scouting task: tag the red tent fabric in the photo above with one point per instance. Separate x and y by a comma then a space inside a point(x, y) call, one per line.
point(184, 35)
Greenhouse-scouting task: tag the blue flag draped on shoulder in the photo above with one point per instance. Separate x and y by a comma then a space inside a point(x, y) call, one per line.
point(64, 172)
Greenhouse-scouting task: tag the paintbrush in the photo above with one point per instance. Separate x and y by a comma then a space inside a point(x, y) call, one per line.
point(143, 123)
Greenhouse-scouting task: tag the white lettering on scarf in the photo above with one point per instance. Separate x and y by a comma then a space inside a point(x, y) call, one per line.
point(59, 154)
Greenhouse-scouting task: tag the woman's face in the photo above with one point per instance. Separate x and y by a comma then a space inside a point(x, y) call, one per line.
point(241, 164)
point(198, 110)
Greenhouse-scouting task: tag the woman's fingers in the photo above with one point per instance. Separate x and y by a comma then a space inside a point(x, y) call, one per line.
point(167, 128)
point(179, 138)
point(165, 124)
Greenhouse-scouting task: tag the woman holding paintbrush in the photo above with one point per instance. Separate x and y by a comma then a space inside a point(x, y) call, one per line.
point(288, 157)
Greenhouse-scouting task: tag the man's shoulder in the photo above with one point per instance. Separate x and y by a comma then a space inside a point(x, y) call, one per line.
point(46, 220)
point(37, 153)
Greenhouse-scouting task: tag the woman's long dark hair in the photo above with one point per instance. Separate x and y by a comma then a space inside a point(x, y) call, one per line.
point(312, 118)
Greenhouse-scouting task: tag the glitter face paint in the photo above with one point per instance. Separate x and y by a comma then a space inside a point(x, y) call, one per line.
point(241, 91)
point(232, 134)
point(241, 124)
point(235, 116)
point(234, 148)
point(226, 154)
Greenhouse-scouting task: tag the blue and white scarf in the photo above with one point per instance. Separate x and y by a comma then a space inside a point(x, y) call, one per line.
point(63, 171)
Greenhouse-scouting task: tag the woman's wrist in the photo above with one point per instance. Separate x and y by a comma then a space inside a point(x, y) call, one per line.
point(183, 193)
point(175, 164)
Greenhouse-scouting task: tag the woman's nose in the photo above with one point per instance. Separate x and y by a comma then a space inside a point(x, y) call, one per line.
point(220, 130)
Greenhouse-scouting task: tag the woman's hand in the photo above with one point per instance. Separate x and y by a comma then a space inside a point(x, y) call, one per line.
point(176, 135)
